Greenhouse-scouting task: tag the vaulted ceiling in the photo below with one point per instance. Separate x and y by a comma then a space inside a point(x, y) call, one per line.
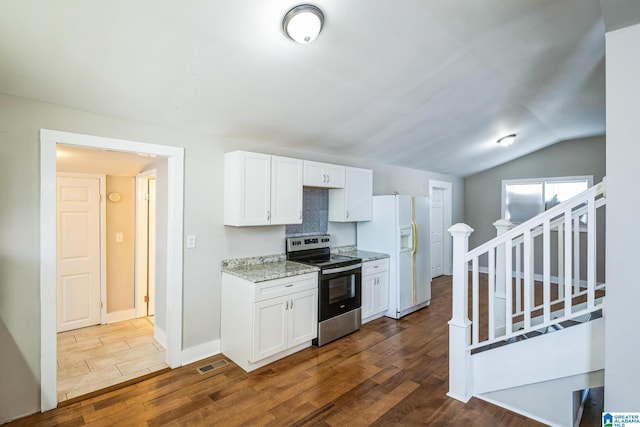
point(425, 84)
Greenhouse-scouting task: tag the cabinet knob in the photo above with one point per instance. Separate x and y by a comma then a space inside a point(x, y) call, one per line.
point(291, 305)
point(347, 214)
point(268, 215)
point(286, 305)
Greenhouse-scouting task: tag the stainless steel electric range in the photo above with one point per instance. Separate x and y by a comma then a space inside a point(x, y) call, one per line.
point(339, 285)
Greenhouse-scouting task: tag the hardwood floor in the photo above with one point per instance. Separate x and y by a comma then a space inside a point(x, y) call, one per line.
point(101, 356)
point(388, 373)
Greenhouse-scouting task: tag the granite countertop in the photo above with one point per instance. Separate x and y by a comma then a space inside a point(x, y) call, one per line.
point(355, 252)
point(260, 269)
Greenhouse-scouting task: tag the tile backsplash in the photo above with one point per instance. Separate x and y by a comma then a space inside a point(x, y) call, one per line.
point(315, 213)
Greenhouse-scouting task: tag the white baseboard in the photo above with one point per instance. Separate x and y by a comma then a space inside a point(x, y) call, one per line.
point(119, 316)
point(200, 351)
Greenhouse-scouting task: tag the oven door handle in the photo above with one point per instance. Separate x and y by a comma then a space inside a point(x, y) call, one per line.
point(341, 269)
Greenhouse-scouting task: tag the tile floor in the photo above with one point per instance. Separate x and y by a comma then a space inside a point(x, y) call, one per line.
point(97, 357)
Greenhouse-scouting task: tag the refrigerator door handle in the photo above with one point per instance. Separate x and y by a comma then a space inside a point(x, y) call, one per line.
point(414, 226)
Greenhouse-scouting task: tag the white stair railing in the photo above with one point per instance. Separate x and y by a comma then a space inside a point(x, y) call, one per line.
point(504, 271)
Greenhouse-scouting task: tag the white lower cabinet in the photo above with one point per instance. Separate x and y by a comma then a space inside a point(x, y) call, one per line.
point(265, 321)
point(284, 322)
point(375, 289)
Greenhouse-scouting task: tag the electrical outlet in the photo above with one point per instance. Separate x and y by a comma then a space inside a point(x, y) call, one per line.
point(191, 241)
point(119, 237)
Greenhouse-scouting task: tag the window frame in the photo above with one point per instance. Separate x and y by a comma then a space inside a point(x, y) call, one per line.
point(542, 181)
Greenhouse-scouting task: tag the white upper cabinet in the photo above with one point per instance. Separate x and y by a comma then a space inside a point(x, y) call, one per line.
point(354, 202)
point(260, 189)
point(323, 175)
point(286, 190)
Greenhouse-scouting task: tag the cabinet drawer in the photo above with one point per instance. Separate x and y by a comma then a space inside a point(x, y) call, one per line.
point(376, 266)
point(285, 286)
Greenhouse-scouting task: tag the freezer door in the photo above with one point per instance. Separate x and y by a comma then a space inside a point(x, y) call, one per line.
point(404, 290)
point(422, 255)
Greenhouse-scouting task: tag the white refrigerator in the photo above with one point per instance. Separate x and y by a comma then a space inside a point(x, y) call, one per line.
point(400, 228)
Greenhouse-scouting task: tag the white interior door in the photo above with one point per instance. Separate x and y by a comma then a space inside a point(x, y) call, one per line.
point(437, 232)
point(151, 249)
point(78, 254)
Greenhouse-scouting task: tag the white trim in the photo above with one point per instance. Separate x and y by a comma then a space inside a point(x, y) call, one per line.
point(140, 273)
point(448, 222)
point(175, 201)
point(200, 352)
point(119, 316)
point(103, 235)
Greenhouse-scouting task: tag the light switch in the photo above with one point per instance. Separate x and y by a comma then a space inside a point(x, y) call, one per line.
point(119, 237)
point(191, 241)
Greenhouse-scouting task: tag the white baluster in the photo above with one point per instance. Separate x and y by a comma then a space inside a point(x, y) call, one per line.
point(459, 325)
point(560, 261)
point(491, 293)
point(475, 300)
point(518, 278)
point(546, 271)
point(508, 294)
point(591, 252)
point(567, 257)
point(503, 276)
point(576, 255)
point(528, 278)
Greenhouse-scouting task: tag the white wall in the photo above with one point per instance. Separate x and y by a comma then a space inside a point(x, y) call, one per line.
point(20, 123)
point(622, 371)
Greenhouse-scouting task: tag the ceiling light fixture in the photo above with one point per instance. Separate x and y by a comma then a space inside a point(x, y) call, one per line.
point(506, 141)
point(303, 23)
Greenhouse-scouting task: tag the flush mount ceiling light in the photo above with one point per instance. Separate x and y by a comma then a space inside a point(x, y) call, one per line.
point(303, 23)
point(506, 141)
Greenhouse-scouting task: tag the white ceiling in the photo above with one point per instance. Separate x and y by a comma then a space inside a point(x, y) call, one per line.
point(426, 84)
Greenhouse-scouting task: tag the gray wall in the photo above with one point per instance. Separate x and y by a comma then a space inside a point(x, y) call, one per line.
point(20, 123)
point(483, 191)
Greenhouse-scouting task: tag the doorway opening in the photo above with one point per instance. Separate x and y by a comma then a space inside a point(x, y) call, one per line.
point(169, 294)
point(440, 214)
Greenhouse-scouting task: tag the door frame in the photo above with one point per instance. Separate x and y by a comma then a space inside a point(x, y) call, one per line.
point(141, 250)
point(103, 235)
point(175, 201)
point(447, 260)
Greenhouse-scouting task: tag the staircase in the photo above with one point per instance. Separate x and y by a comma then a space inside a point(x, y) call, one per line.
point(527, 326)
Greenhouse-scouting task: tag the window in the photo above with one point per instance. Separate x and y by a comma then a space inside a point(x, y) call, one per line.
point(523, 199)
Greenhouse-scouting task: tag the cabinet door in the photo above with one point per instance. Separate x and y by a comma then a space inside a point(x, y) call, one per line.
point(303, 317)
point(286, 190)
point(269, 327)
point(359, 194)
point(335, 176)
point(314, 175)
point(247, 193)
point(355, 201)
point(368, 291)
point(381, 299)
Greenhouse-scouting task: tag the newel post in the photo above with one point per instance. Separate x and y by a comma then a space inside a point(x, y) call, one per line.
point(459, 325)
point(500, 310)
